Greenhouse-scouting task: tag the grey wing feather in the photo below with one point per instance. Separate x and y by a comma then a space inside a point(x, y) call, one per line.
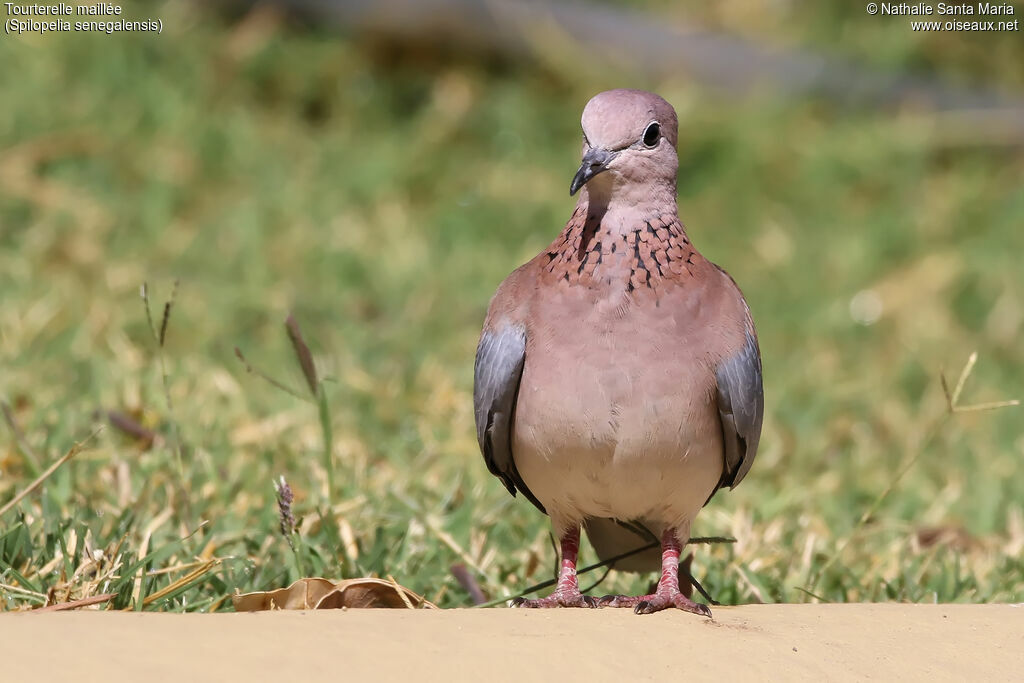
point(741, 408)
point(500, 358)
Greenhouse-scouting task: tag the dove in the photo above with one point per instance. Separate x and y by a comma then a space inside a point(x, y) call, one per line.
point(617, 381)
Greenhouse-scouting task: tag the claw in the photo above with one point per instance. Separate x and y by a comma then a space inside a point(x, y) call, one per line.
point(616, 601)
point(557, 599)
point(667, 593)
point(704, 611)
point(649, 604)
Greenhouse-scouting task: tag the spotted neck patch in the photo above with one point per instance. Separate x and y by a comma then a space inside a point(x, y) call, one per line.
point(647, 255)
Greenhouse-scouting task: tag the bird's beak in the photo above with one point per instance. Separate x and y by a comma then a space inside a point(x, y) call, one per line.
point(594, 161)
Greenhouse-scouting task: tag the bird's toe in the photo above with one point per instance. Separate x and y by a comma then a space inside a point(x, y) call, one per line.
point(645, 607)
point(688, 605)
point(556, 599)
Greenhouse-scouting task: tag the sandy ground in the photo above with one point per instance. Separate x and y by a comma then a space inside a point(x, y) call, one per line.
point(757, 642)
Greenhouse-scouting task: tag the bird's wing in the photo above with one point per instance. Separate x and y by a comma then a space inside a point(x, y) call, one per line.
point(500, 358)
point(741, 408)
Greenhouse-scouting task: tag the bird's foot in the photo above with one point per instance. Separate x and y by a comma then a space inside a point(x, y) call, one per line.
point(655, 602)
point(560, 598)
point(567, 593)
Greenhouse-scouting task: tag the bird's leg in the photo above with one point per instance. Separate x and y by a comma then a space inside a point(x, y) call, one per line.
point(668, 593)
point(567, 593)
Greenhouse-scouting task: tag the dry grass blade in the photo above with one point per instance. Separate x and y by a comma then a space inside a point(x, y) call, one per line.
point(964, 374)
point(302, 353)
point(946, 392)
point(177, 568)
point(447, 539)
point(144, 294)
point(147, 534)
point(265, 377)
point(23, 591)
point(995, 405)
point(75, 604)
point(400, 591)
point(75, 450)
point(167, 314)
point(183, 581)
point(953, 399)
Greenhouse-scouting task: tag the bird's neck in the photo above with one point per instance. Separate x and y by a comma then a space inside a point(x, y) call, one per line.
point(628, 246)
point(619, 208)
point(615, 211)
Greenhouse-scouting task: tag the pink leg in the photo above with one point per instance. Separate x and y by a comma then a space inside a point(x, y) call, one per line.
point(567, 594)
point(668, 593)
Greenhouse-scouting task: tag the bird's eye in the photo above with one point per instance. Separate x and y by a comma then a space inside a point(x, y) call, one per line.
point(652, 134)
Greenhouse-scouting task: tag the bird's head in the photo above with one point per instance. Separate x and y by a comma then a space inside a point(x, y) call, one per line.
point(629, 139)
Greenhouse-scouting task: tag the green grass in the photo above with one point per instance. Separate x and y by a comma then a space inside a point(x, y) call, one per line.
point(274, 169)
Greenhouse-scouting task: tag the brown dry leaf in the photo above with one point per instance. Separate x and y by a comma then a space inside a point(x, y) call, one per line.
point(319, 593)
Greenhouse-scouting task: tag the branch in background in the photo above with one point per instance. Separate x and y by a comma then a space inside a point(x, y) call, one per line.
point(661, 50)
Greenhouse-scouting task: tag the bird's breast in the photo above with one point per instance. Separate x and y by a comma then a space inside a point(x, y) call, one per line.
point(616, 406)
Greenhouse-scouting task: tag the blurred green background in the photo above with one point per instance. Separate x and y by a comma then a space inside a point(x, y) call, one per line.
point(380, 190)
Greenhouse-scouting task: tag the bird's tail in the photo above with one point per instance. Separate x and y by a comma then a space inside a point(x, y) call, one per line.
point(611, 537)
